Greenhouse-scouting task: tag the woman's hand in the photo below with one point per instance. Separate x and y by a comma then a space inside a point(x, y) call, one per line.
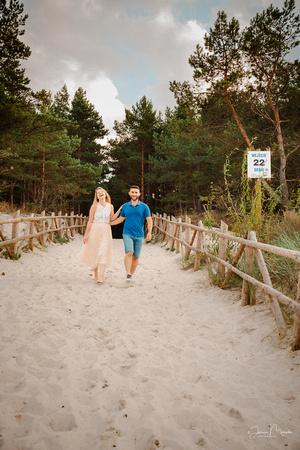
point(85, 239)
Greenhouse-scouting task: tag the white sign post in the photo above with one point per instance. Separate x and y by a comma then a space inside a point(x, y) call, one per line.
point(259, 164)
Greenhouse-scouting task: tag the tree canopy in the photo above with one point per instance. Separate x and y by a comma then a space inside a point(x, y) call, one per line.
point(244, 95)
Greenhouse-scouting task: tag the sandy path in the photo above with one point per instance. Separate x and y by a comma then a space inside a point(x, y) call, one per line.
point(169, 362)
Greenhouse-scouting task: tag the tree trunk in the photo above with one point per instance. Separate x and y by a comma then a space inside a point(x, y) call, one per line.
point(248, 142)
point(43, 179)
point(282, 169)
point(142, 171)
point(12, 193)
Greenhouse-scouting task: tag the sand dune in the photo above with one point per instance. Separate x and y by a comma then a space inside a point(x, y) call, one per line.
point(168, 362)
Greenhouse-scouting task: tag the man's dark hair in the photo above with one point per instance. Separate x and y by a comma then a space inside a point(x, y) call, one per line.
point(135, 187)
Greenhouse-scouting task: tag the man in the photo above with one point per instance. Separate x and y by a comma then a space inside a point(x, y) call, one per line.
point(135, 213)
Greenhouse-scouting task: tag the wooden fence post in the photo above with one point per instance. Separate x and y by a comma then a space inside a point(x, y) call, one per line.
point(59, 224)
point(15, 233)
point(187, 237)
point(66, 225)
point(167, 228)
point(80, 219)
point(178, 245)
point(43, 228)
point(267, 280)
point(174, 230)
point(222, 252)
point(296, 329)
point(154, 225)
point(199, 244)
point(249, 261)
point(76, 229)
point(52, 226)
point(160, 221)
point(234, 263)
point(31, 231)
point(71, 222)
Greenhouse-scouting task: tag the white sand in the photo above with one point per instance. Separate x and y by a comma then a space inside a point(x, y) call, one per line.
point(167, 363)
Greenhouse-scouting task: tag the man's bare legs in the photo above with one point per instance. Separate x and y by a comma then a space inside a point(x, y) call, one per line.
point(131, 263)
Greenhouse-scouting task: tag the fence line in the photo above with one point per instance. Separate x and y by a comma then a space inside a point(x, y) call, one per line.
point(40, 227)
point(178, 233)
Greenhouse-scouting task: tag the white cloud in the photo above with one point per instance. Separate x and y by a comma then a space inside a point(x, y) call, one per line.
point(192, 31)
point(103, 94)
point(119, 51)
point(104, 97)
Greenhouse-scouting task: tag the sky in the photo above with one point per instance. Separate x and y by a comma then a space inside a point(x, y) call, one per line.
point(120, 50)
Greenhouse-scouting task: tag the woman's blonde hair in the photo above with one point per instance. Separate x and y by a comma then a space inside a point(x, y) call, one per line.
point(107, 197)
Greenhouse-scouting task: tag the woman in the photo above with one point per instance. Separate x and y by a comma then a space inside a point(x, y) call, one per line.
point(97, 249)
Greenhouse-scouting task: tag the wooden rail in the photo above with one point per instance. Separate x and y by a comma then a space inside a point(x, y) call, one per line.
point(176, 232)
point(40, 227)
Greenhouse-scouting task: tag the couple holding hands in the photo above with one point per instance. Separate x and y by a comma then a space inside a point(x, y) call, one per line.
point(97, 241)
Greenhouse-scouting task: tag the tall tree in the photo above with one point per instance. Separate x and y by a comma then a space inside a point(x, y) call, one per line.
point(13, 83)
point(223, 65)
point(89, 128)
point(137, 130)
point(187, 160)
point(12, 77)
point(267, 42)
point(61, 104)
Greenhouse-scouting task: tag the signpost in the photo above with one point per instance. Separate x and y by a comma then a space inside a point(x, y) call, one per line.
point(259, 166)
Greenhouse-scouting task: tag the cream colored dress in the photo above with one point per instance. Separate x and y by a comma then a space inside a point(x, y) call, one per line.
point(98, 249)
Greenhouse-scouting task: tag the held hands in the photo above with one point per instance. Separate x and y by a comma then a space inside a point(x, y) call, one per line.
point(149, 237)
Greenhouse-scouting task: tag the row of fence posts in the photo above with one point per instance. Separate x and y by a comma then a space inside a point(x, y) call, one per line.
point(184, 238)
point(42, 227)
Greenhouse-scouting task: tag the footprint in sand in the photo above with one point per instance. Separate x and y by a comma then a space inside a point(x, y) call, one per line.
point(61, 422)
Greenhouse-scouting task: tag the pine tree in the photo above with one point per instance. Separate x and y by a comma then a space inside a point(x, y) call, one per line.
point(223, 64)
point(13, 83)
point(61, 104)
point(12, 77)
point(134, 145)
point(89, 128)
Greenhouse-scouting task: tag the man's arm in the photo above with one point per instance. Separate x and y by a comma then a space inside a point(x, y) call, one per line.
point(116, 221)
point(149, 228)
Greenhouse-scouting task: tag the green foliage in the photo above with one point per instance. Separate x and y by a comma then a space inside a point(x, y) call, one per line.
point(5, 254)
point(58, 240)
point(132, 150)
point(40, 163)
point(185, 162)
point(13, 83)
point(88, 127)
point(284, 232)
point(243, 81)
point(249, 73)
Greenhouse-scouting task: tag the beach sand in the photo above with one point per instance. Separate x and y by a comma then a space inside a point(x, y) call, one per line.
point(167, 362)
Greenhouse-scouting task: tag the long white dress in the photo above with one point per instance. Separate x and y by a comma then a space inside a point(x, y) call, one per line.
point(98, 249)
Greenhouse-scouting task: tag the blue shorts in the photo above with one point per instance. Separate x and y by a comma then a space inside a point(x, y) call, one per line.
point(133, 244)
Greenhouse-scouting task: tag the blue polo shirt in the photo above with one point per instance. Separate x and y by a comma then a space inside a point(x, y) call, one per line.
point(134, 218)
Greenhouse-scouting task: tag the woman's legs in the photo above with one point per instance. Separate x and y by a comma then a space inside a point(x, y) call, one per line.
point(96, 274)
point(101, 272)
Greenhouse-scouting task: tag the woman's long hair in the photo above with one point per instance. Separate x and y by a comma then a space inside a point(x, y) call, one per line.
point(107, 197)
